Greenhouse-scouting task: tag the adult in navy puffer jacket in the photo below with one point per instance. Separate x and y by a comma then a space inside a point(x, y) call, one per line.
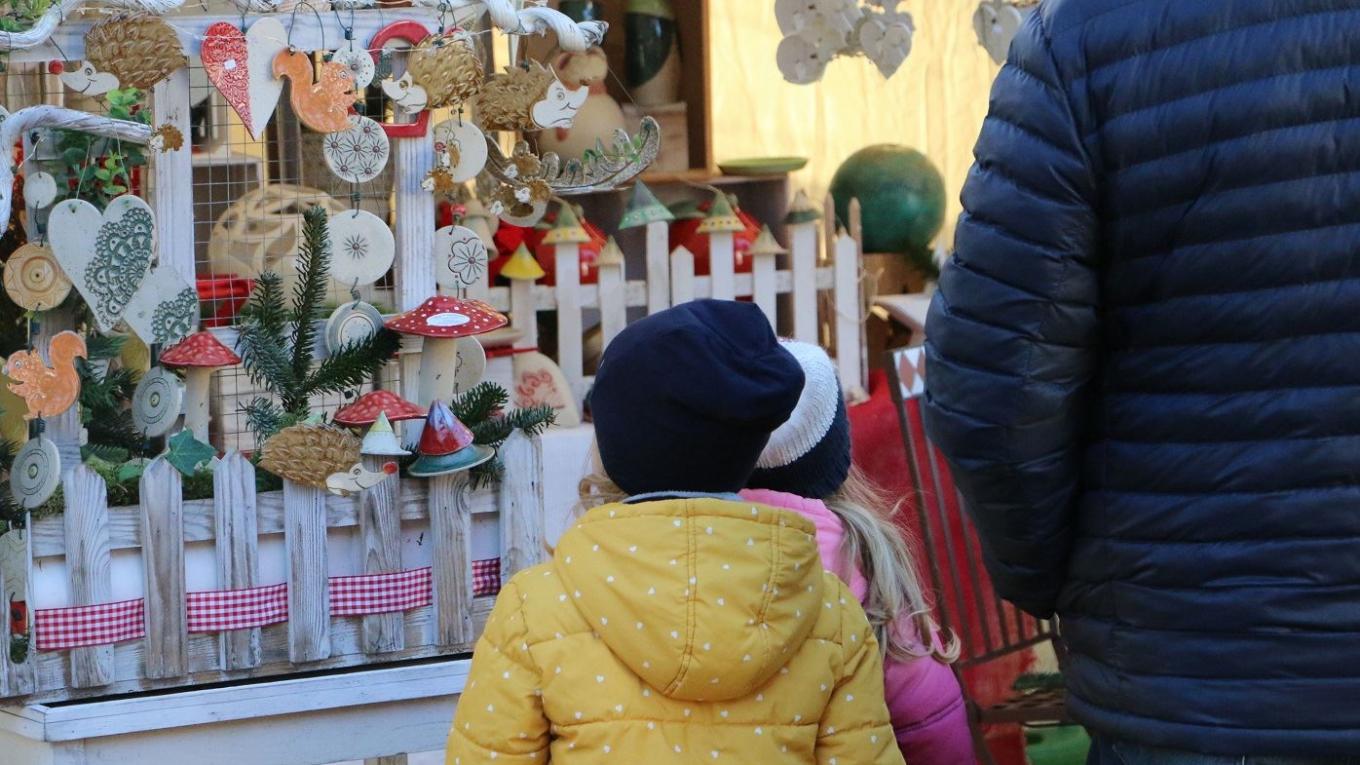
point(1144, 363)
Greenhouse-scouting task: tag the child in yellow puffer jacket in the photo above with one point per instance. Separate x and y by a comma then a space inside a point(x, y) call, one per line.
point(683, 624)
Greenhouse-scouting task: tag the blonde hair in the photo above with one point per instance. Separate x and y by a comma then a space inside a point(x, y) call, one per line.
point(872, 541)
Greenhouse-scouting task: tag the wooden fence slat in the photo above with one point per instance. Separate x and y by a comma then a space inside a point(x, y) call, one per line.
point(238, 566)
point(173, 171)
point(682, 275)
point(413, 229)
point(167, 634)
point(658, 267)
point(569, 327)
point(524, 312)
point(22, 677)
point(803, 264)
point(4, 642)
point(763, 285)
point(309, 602)
point(521, 495)
point(380, 529)
point(451, 528)
point(613, 313)
point(722, 263)
point(849, 316)
point(88, 566)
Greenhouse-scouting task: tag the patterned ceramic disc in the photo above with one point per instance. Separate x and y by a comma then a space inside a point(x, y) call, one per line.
point(362, 248)
point(358, 154)
point(40, 190)
point(157, 402)
point(35, 473)
point(470, 366)
point(33, 279)
point(459, 257)
point(461, 146)
point(360, 65)
point(351, 323)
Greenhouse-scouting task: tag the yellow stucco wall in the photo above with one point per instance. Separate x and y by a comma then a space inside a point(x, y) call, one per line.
point(935, 103)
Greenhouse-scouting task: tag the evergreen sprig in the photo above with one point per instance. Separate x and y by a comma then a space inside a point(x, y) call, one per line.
point(309, 291)
point(482, 409)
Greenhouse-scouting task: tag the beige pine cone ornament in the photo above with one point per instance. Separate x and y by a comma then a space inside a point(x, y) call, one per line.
point(446, 65)
point(139, 51)
point(309, 454)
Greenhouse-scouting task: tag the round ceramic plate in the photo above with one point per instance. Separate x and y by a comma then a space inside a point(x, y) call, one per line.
point(40, 190)
point(33, 279)
point(470, 366)
point(459, 257)
point(362, 248)
point(763, 165)
point(360, 65)
point(351, 323)
point(461, 145)
point(157, 402)
point(464, 459)
point(35, 473)
point(358, 154)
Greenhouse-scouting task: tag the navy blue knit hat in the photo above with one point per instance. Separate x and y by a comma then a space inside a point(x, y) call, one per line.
point(809, 455)
point(685, 399)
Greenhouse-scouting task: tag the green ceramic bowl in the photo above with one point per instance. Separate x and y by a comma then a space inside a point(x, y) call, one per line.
point(763, 165)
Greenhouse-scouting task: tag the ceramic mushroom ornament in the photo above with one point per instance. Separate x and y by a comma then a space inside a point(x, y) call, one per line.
point(441, 321)
point(375, 405)
point(198, 355)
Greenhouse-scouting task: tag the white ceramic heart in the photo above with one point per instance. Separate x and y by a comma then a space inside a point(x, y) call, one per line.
point(106, 255)
point(241, 66)
point(164, 310)
point(996, 23)
point(887, 41)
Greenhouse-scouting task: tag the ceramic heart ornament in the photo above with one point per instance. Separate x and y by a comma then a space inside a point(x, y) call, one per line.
point(887, 41)
point(241, 66)
point(164, 310)
point(105, 255)
point(996, 23)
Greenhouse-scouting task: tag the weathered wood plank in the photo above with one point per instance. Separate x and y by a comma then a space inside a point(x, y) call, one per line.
point(762, 285)
point(4, 642)
point(613, 312)
point(238, 566)
point(569, 325)
point(16, 547)
point(451, 528)
point(803, 263)
point(391, 759)
point(722, 265)
point(309, 602)
point(413, 228)
point(682, 275)
point(658, 267)
point(167, 633)
point(523, 312)
point(521, 504)
point(380, 529)
point(849, 316)
point(88, 566)
point(172, 171)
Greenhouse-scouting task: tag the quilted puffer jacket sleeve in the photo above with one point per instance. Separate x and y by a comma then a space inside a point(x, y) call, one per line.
point(855, 724)
point(500, 714)
point(1013, 328)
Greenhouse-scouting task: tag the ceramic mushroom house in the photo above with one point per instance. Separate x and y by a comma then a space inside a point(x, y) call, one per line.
point(197, 356)
point(365, 411)
point(446, 445)
point(441, 320)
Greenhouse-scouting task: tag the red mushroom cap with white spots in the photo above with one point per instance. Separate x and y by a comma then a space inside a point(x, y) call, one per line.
point(447, 316)
point(201, 349)
point(365, 410)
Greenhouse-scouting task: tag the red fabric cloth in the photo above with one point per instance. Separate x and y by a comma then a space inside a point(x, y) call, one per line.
point(879, 451)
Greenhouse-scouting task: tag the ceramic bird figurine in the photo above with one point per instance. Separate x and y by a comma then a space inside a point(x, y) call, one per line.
point(323, 105)
point(356, 479)
point(47, 391)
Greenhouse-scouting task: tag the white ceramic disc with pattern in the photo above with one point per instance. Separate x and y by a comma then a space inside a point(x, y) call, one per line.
point(35, 474)
point(461, 147)
point(459, 257)
point(40, 190)
point(362, 248)
point(470, 364)
point(157, 402)
point(358, 154)
point(360, 65)
point(351, 323)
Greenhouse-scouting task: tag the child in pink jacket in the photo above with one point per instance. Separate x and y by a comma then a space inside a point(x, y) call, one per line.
point(806, 468)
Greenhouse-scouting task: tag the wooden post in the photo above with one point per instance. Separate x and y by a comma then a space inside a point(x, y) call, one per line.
point(524, 312)
point(521, 504)
point(569, 352)
point(5, 641)
point(763, 285)
point(414, 231)
point(173, 175)
point(21, 677)
point(658, 267)
point(613, 302)
point(803, 264)
point(380, 527)
point(167, 636)
point(682, 275)
point(309, 602)
point(722, 265)
point(87, 566)
point(238, 565)
point(451, 527)
point(849, 316)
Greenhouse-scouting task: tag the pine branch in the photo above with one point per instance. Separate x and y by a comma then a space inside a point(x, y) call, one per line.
point(101, 347)
point(265, 418)
point(309, 293)
point(265, 360)
point(353, 365)
point(265, 309)
point(479, 404)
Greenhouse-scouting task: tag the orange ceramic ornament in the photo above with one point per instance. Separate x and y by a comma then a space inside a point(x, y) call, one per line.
point(47, 391)
point(322, 104)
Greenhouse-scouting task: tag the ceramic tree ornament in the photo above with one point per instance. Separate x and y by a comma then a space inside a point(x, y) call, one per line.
point(996, 23)
point(362, 248)
point(106, 255)
point(241, 66)
point(164, 310)
point(321, 97)
point(459, 257)
point(47, 391)
point(33, 280)
point(40, 190)
point(358, 154)
point(460, 146)
point(887, 41)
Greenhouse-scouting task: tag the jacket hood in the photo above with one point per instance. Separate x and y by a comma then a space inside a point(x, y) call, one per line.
point(704, 599)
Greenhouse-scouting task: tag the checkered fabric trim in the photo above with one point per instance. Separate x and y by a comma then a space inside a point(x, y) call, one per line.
point(223, 610)
point(380, 593)
point(57, 629)
point(486, 577)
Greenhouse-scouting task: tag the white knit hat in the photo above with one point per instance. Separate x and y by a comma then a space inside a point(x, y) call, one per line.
point(809, 454)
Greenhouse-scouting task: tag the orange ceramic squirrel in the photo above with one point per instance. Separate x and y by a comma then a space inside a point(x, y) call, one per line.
point(322, 105)
point(47, 392)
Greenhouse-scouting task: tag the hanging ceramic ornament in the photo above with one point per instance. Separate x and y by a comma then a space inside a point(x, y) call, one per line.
point(351, 323)
point(459, 257)
point(321, 456)
point(88, 80)
point(321, 97)
point(410, 118)
point(405, 93)
point(360, 65)
point(106, 255)
point(799, 61)
point(996, 23)
point(362, 247)
point(447, 67)
point(47, 391)
point(241, 66)
point(35, 473)
point(886, 40)
point(33, 280)
point(460, 146)
point(381, 441)
point(157, 402)
point(164, 310)
point(358, 154)
point(40, 190)
point(528, 97)
point(139, 51)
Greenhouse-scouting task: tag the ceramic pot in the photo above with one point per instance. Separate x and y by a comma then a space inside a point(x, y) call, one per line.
point(653, 52)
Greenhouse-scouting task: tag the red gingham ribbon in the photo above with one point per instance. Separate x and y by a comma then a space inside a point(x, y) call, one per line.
point(57, 629)
point(223, 610)
point(380, 593)
point(486, 577)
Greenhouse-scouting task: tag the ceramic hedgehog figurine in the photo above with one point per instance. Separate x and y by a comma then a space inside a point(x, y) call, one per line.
point(320, 456)
point(528, 98)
